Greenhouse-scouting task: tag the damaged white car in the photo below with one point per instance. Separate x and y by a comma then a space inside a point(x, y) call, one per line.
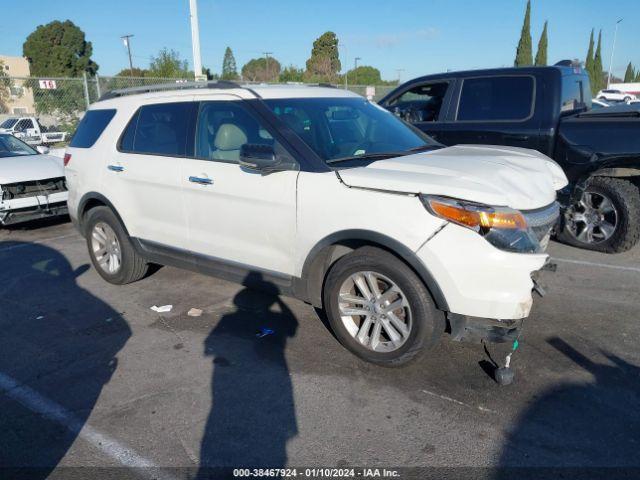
point(32, 183)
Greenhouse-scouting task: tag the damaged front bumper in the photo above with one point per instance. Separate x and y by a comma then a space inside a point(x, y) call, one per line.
point(464, 328)
point(24, 209)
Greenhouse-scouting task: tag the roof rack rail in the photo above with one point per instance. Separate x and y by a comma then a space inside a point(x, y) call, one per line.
point(168, 86)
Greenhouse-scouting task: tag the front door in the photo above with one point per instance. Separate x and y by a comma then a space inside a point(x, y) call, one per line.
point(238, 219)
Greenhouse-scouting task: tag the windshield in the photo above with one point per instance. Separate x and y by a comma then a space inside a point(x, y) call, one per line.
point(10, 146)
point(8, 123)
point(347, 128)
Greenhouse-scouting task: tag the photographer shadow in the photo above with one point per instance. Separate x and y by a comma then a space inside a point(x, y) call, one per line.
point(253, 414)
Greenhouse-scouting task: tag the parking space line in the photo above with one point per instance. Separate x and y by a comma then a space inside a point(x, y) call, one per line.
point(596, 264)
point(56, 413)
point(22, 245)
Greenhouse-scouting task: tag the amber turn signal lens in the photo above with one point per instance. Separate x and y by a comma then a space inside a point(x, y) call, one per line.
point(474, 218)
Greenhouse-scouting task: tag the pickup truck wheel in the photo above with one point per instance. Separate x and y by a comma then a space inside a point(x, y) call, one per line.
point(110, 248)
point(607, 217)
point(379, 309)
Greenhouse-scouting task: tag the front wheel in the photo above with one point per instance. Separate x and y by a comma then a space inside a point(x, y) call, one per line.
point(606, 218)
point(379, 309)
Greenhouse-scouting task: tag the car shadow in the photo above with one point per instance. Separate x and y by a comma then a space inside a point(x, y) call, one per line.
point(58, 349)
point(576, 428)
point(38, 223)
point(252, 415)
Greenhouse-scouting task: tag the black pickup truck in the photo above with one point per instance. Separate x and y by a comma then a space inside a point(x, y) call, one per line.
point(546, 109)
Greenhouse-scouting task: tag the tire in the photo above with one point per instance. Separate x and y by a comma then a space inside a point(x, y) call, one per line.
point(625, 199)
point(602, 97)
point(627, 100)
point(132, 267)
point(422, 323)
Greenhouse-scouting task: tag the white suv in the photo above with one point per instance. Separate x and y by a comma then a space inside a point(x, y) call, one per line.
point(320, 194)
point(616, 96)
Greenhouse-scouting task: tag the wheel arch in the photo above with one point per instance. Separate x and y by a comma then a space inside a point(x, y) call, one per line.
point(331, 248)
point(91, 200)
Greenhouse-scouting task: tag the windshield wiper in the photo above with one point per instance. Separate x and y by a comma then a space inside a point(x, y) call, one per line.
point(366, 156)
point(424, 148)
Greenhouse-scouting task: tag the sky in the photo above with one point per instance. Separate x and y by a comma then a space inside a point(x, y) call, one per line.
point(415, 37)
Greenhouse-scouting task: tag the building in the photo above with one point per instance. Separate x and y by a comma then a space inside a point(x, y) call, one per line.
point(16, 99)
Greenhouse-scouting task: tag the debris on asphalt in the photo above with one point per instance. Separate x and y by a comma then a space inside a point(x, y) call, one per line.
point(162, 309)
point(194, 312)
point(39, 317)
point(264, 332)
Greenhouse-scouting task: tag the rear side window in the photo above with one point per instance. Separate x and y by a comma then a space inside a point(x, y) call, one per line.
point(91, 127)
point(159, 129)
point(496, 99)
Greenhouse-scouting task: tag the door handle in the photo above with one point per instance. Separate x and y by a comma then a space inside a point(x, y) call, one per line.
point(115, 168)
point(201, 180)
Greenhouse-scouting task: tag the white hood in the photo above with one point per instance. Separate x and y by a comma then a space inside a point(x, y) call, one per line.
point(30, 167)
point(499, 176)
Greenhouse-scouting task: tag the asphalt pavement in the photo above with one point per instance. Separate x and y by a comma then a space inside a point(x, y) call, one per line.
point(90, 376)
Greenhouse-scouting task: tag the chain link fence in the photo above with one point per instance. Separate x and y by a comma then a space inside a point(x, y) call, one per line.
point(59, 103)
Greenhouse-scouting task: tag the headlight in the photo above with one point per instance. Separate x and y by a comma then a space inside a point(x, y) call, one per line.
point(503, 227)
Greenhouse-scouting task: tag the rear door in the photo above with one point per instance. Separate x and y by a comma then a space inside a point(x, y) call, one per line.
point(424, 104)
point(495, 110)
point(143, 176)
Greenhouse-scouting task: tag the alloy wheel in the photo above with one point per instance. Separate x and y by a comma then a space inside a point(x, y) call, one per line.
point(106, 248)
point(375, 311)
point(593, 219)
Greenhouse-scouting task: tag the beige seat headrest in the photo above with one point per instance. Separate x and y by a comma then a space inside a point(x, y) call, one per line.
point(229, 137)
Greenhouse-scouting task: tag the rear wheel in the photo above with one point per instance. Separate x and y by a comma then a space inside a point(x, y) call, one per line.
point(606, 218)
point(110, 248)
point(379, 309)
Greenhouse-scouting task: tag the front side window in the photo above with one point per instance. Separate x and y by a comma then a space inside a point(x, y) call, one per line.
point(10, 146)
point(223, 127)
point(508, 98)
point(421, 103)
point(158, 129)
point(91, 127)
point(339, 128)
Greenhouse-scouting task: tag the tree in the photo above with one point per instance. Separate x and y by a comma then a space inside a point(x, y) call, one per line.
point(597, 67)
point(59, 49)
point(133, 72)
point(541, 55)
point(637, 79)
point(524, 56)
point(630, 74)
point(324, 62)
point(292, 74)
point(229, 69)
point(209, 75)
point(168, 64)
point(5, 85)
point(588, 63)
point(364, 75)
point(261, 70)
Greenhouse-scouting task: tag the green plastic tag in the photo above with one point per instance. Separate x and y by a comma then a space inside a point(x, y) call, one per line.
point(515, 344)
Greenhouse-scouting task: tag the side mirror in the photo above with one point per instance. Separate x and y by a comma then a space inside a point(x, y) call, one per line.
point(258, 157)
point(42, 149)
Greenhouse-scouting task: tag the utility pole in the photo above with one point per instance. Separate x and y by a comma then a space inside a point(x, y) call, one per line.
point(266, 59)
point(355, 70)
point(127, 43)
point(615, 34)
point(399, 70)
point(195, 41)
